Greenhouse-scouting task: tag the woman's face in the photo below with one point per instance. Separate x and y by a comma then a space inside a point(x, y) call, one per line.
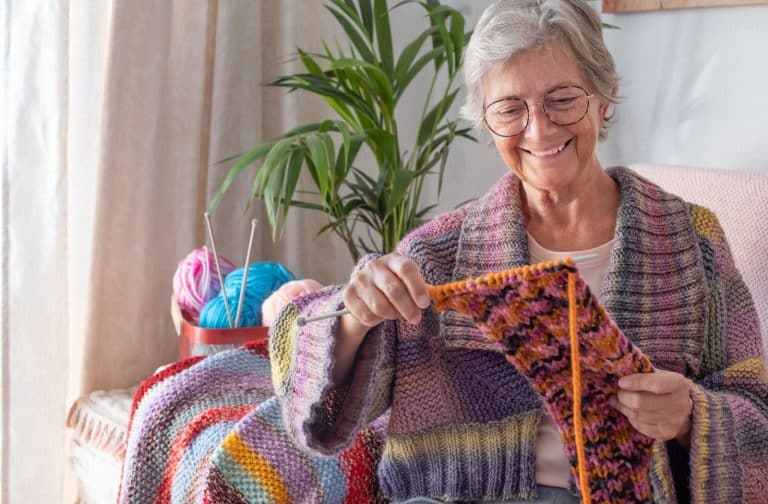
point(545, 155)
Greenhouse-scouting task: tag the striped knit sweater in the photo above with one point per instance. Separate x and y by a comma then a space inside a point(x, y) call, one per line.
point(463, 421)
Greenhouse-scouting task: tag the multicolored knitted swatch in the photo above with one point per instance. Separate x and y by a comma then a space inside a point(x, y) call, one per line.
point(554, 331)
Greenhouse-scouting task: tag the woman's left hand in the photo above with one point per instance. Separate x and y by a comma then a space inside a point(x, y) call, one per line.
point(658, 404)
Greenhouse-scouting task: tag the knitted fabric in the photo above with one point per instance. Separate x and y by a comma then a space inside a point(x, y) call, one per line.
point(258, 462)
point(181, 415)
point(553, 330)
point(205, 430)
point(463, 421)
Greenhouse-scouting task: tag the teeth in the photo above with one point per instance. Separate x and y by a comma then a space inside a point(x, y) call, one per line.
point(548, 152)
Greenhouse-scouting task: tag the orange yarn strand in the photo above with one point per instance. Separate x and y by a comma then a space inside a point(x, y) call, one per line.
point(576, 374)
point(492, 279)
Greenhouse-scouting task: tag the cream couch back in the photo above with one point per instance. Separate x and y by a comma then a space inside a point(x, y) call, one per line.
point(740, 201)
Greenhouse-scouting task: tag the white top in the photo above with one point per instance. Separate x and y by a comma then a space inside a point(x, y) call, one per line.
point(552, 468)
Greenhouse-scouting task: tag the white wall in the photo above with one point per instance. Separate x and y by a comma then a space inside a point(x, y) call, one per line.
point(695, 88)
point(694, 92)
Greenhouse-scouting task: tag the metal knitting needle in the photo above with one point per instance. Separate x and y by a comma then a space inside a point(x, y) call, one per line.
point(301, 321)
point(245, 275)
point(218, 266)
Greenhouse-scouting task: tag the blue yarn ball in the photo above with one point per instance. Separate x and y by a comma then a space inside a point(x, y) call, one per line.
point(263, 279)
point(214, 313)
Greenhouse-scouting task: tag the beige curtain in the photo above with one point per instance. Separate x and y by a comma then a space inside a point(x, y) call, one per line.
point(114, 115)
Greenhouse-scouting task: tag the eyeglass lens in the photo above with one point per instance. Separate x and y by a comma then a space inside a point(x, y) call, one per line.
point(563, 106)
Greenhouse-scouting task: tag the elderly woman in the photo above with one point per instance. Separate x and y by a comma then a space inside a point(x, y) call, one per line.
point(465, 425)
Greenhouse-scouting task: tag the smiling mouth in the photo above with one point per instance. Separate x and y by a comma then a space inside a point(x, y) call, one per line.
point(549, 152)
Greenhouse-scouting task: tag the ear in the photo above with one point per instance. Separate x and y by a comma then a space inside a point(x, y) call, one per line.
point(604, 106)
point(603, 109)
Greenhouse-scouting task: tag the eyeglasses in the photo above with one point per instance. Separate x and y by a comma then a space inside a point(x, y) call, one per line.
point(563, 106)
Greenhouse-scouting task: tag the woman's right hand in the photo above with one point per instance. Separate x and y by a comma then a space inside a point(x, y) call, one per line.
point(387, 288)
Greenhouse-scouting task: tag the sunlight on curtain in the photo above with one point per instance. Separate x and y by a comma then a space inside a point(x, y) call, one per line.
point(34, 279)
point(114, 115)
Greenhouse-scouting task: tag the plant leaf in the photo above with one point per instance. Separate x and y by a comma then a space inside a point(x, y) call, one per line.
point(307, 205)
point(384, 36)
point(310, 64)
point(407, 56)
point(363, 179)
point(316, 147)
point(326, 88)
point(363, 48)
point(366, 12)
point(412, 72)
point(422, 212)
point(441, 39)
point(245, 160)
point(429, 124)
point(228, 159)
point(347, 153)
point(379, 83)
point(398, 190)
point(384, 146)
point(293, 171)
point(457, 37)
point(329, 154)
point(269, 180)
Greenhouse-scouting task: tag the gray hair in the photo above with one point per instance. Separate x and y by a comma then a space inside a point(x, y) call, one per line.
point(508, 27)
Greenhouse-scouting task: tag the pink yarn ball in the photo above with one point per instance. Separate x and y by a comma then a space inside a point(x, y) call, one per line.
point(284, 295)
point(196, 280)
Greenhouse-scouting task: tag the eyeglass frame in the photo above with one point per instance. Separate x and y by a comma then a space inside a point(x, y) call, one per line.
point(587, 95)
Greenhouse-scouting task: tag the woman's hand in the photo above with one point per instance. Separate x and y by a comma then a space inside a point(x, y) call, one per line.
point(658, 404)
point(387, 288)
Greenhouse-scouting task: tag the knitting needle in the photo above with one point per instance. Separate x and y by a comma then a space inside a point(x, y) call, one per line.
point(245, 275)
point(218, 266)
point(301, 321)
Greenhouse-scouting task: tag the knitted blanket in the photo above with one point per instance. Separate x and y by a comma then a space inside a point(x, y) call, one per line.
point(207, 430)
point(554, 331)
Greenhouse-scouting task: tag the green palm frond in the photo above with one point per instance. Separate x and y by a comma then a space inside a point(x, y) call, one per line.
point(362, 86)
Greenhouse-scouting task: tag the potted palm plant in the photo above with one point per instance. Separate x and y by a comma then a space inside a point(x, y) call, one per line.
point(363, 86)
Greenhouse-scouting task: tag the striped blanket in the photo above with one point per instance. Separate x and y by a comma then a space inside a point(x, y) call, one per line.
point(208, 430)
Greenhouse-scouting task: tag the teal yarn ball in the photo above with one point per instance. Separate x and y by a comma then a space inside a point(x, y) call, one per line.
point(214, 313)
point(264, 278)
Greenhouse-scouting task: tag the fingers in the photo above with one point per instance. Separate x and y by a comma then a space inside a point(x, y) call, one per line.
point(648, 401)
point(658, 404)
point(410, 274)
point(359, 307)
point(658, 382)
point(653, 423)
point(656, 430)
point(388, 288)
point(647, 409)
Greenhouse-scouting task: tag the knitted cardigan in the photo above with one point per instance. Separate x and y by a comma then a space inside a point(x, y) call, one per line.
point(463, 421)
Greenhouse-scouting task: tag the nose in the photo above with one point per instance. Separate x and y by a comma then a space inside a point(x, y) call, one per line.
point(539, 124)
